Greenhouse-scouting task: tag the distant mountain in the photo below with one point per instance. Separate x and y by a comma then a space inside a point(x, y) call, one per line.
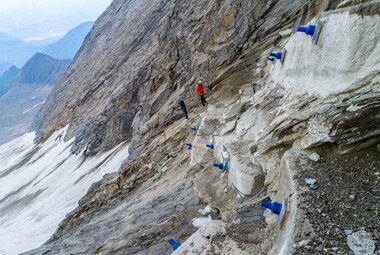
point(18, 108)
point(5, 42)
point(7, 78)
point(29, 90)
point(42, 69)
point(3, 68)
point(68, 46)
point(14, 51)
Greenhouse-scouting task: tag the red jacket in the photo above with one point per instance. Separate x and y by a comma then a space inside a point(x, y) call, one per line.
point(199, 89)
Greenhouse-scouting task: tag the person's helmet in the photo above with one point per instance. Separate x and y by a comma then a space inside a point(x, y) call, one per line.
point(181, 98)
point(200, 82)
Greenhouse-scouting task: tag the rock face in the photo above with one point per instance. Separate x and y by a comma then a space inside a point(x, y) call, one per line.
point(267, 117)
point(141, 55)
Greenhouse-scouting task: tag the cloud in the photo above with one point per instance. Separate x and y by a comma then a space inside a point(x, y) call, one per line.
point(37, 17)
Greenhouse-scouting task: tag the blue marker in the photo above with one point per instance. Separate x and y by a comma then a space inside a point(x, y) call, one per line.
point(280, 55)
point(174, 244)
point(274, 207)
point(309, 30)
point(219, 165)
point(313, 30)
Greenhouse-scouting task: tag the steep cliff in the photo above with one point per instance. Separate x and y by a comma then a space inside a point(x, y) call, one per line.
point(315, 115)
point(142, 55)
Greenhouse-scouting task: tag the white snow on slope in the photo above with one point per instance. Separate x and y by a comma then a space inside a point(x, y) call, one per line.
point(26, 111)
point(40, 184)
point(34, 106)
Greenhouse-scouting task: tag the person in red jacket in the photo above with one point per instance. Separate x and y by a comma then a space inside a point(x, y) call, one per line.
point(201, 92)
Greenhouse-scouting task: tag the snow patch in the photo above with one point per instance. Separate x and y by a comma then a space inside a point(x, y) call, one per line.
point(26, 111)
point(34, 106)
point(41, 183)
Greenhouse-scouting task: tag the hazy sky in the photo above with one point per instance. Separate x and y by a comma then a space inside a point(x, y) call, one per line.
point(44, 18)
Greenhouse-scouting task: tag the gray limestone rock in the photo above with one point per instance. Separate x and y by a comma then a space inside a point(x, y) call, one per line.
point(361, 243)
point(314, 157)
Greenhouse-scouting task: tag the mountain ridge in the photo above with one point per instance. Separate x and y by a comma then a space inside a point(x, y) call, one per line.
point(42, 69)
point(14, 51)
point(68, 46)
point(7, 79)
point(26, 92)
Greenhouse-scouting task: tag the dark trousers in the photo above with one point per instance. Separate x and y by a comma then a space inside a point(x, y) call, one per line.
point(185, 112)
point(203, 100)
